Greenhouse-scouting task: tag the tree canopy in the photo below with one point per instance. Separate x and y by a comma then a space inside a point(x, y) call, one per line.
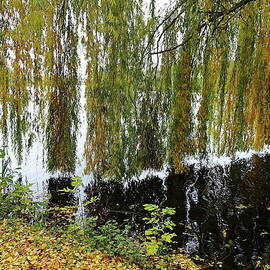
point(158, 89)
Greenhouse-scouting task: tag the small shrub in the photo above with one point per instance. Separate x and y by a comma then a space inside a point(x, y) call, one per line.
point(15, 197)
point(111, 239)
point(107, 238)
point(160, 226)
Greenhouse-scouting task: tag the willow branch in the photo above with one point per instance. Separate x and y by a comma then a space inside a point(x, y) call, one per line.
point(169, 26)
point(165, 19)
point(151, 38)
point(218, 15)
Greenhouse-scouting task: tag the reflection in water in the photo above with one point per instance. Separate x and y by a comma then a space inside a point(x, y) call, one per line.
point(232, 212)
point(222, 213)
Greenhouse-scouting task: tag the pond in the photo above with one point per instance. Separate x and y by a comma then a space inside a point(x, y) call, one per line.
point(222, 212)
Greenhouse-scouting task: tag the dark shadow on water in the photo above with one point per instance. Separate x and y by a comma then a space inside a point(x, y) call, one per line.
point(124, 203)
point(59, 199)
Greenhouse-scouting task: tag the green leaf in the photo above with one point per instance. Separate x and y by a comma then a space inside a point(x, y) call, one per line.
point(150, 207)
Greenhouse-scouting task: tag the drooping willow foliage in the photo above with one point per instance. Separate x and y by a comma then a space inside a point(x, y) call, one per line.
point(39, 80)
point(159, 89)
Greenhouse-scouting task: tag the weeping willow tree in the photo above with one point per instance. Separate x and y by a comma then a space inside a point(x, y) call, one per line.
point(193, 81)
point(39, 81)
point(114, 33)
point(63, 94)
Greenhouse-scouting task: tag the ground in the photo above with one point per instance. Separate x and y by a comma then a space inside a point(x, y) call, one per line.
point(26, 247)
